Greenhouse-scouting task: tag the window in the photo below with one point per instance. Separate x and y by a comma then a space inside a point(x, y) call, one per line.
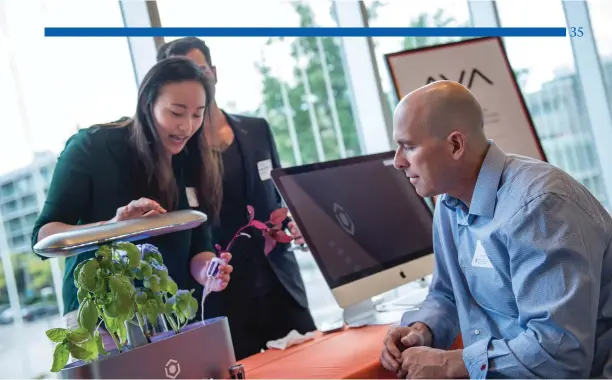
point(600, 11)
point(439, 13)
point(50, 87)
point(7, 189)
point(298, 85)
point(546, 72)
point(9, 207)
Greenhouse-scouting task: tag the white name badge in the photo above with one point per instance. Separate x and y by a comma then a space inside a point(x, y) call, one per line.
point(192, 198)
point(481, 259)
point(265, 168)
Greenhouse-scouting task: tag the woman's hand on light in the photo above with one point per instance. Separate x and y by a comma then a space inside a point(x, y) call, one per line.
point(138, 208)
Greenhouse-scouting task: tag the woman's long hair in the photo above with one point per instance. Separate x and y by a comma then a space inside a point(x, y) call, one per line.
point(150, 155)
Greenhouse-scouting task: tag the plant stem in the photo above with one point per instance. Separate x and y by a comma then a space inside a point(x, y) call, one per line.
point(116, 341)
point(229, 246)
point(173, 324)
point(139, 318)
point(112, 335)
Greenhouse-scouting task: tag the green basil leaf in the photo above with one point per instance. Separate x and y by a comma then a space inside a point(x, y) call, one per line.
point(145, 268)
point(78, 352)
point(153, 283)
point(110, 310)
point(168, 306)
point(124, 305)
point(88, 316)
point(82, 294)
point(104, 252)
point(133, 254)
point(193, 308)
point(171, 286)
point(88, 274)
point(76, 272)
point(60, 357)
point(121, 285)
point(122, 333)
point(141, 297)
point(112, 325)
point(79, 335)
point(57, 335)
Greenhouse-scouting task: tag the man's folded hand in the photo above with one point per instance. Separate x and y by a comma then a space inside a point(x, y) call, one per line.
point(398, 339)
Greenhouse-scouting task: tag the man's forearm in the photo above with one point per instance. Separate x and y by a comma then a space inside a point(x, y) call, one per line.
point(439, 314)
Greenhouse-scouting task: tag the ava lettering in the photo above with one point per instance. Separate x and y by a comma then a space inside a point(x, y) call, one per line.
point(472, 76)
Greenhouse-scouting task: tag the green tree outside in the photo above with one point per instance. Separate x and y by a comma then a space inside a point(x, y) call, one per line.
point(298, 101)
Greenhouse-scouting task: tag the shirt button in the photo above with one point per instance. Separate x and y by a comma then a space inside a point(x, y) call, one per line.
point(476, 332)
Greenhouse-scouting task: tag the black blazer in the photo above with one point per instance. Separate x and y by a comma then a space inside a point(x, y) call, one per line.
point(257, 145)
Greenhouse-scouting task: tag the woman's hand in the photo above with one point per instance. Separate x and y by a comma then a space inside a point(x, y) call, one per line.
point(199, 265)
point(138, 208)
point(223, 277)
point(295, 233)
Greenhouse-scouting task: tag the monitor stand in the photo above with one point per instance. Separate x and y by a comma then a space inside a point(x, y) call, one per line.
point(365, 314)
point(368, 314)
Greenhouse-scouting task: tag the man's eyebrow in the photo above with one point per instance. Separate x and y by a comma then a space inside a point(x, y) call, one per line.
point(404, 142)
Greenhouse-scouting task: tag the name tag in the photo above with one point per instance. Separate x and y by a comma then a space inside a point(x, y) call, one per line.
point(192, 198)
point(481, 259)
point(265, 168)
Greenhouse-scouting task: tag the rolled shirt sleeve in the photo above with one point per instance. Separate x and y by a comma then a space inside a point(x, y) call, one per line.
point(439, 310)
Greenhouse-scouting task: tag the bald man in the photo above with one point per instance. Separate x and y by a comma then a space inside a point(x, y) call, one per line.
point(523, 255)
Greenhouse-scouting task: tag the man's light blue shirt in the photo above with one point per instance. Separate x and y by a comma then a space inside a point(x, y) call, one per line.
point(523, 274)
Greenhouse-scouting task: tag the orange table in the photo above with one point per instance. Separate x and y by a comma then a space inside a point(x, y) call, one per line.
point(348, 354)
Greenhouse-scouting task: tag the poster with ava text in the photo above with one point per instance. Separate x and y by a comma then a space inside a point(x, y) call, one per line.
point(482, 66)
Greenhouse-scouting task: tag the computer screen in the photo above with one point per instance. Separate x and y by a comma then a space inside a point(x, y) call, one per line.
point(359, 216)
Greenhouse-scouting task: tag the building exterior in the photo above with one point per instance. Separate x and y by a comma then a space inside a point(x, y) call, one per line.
point(22, 196)
point(564, 130)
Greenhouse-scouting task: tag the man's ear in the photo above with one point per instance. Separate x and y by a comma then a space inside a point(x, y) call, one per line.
point(456, 141)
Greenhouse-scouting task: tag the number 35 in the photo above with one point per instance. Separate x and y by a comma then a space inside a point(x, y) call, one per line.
point(576, 31)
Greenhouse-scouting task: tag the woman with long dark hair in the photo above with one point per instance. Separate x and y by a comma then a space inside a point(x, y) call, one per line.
point(152, 163)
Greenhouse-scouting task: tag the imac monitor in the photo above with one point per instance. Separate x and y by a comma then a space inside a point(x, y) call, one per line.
point(365, 225)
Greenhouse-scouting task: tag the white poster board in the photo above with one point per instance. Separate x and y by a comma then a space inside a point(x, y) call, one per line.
point(482, 66)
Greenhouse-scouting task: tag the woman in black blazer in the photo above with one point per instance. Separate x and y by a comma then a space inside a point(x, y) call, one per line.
point(266, 298)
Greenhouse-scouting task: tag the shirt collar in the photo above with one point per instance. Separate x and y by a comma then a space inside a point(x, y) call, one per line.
point(484, 197)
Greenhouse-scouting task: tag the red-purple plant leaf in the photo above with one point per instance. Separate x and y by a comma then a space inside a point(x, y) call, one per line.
point(282, 237)
point(218, 247)
point(278, 216)
point(251, 211)
point(270, 244)
point(259, 225)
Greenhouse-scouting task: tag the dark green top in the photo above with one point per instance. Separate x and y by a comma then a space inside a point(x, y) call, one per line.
point(94, 176)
